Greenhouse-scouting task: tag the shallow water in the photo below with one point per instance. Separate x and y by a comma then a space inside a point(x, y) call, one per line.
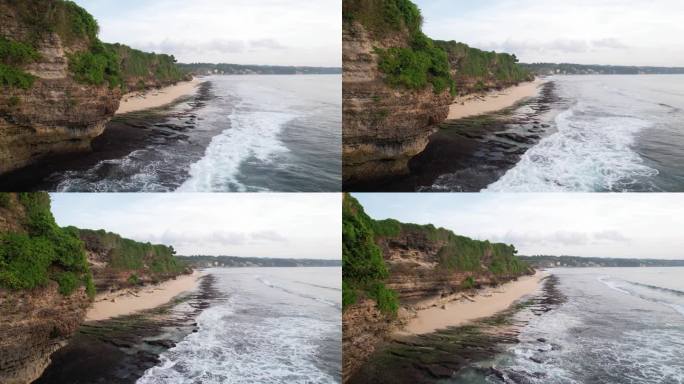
point(618, 325)
point(273, 325)
point(616, 133)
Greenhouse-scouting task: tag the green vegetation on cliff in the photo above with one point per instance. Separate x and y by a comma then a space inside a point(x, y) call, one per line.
point(477, 70)
point(363, 269)
point(113, 64)
point(413, 67)
point(14, 54)
point(155, 260)
point(35, 250)
point(444, 64)
point(42, 252)
point(459, 252)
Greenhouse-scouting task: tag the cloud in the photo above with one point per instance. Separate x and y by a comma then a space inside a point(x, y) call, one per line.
point(268, 236)
point(562, 238)
point(218, 46)
point(616, 32)
point(611, 43)
point(567, 46)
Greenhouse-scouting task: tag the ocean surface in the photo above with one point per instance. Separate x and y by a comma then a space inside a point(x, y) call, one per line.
point(270, 325)
point(238, 133)
point(618, 325)
point(611, 133)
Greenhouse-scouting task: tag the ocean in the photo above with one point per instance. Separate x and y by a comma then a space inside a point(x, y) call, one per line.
point(237, 133)
point(609, 133)
point(617, 325)
point(268, 325)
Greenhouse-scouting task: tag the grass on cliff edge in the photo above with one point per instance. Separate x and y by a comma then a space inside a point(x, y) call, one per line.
point(363, 268)
point(421, 64)
point(45, 252)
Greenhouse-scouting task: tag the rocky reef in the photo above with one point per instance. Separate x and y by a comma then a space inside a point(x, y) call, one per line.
point(383, 126)
point(392, 269)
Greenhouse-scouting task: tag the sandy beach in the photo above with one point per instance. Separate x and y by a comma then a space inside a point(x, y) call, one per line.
point(128, 301)
point(486, 302)
point(472, 105)
point(138, 101)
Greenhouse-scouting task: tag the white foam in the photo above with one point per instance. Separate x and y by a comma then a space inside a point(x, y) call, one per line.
point(591, 151)
point(253, 128)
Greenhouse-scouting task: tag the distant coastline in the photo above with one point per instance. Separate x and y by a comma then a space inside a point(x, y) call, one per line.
point(544, 261)
point(200, 261)
point(203, 69)
point(546, 69)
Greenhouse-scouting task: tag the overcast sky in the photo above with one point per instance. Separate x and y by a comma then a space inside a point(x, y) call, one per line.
point(602, 225)
point(297, 225)
point(273, 32)
point(620, 32)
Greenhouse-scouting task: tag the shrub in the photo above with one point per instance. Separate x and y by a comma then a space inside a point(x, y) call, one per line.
point(46, 252)
point(67, 282)
point(468, 283)
point(97, 66)
point(388, 302)
point(133, 279)
point(16, 53)
point(15, 78)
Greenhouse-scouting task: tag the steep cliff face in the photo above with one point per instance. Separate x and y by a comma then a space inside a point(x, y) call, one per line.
point(117, 263)
point(429, 265)
point(55, 114)
point(383, 125)
point(475, 70)
point(36, 323)
point(420, 266)
point(42, 302)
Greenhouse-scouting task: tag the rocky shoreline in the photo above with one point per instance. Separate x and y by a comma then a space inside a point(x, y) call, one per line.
point(466, 155)
point(441, 355)
point(119, 350)
point(123, 135)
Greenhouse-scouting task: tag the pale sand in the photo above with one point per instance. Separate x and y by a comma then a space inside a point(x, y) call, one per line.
point(472, 105)
point(147, 297)
point(138, 101)
point(486, 303)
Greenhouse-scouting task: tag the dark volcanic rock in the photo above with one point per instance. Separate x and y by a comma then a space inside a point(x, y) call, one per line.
point(120, 350)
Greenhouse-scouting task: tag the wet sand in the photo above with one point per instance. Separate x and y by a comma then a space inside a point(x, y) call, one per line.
point(154, 98)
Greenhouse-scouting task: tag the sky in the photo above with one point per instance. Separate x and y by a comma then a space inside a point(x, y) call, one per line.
point(617, 32)
point(296, 225)
point(592, 225)
point(267, 32)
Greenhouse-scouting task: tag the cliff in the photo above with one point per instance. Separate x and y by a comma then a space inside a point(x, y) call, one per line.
point(393, 268)
point(398, 85)
point(117, 263)
point(475, 70)
point(49, 275)
point(45, 286)
point(60, 84)
point(385, 123)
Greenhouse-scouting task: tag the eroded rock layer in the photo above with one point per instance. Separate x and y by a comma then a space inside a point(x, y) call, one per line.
point(383, 126)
